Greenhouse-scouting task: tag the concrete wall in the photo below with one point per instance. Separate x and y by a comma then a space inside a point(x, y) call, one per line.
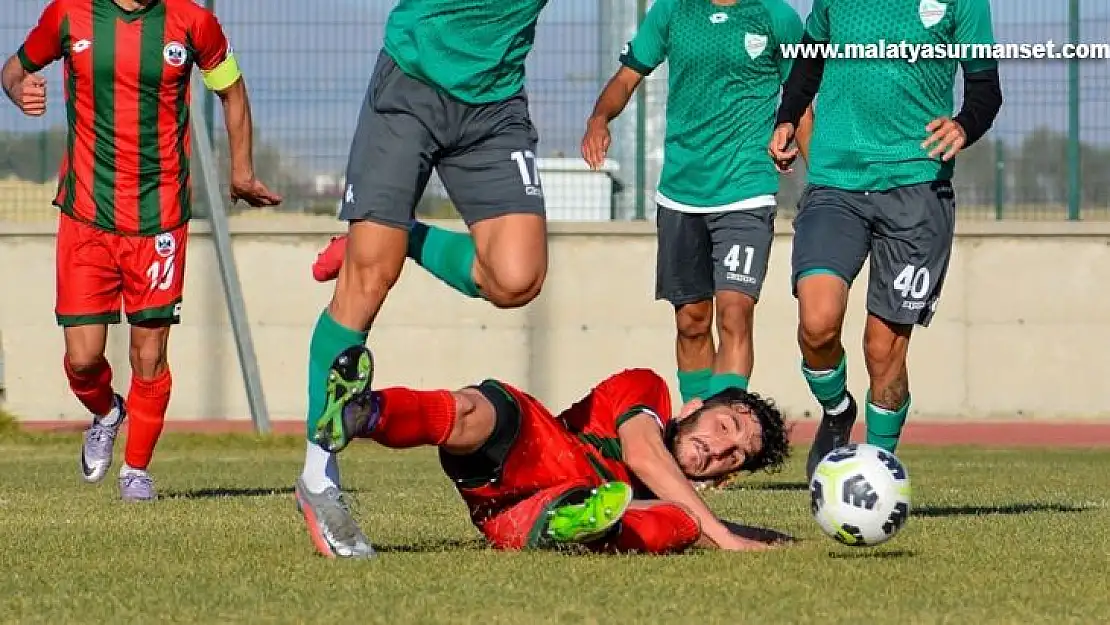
point(1022, 329)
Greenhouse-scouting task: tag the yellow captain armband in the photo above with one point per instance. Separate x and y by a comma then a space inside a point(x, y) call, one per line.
point(223, 75)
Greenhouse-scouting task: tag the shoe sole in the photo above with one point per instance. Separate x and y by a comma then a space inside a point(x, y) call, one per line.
point(601, 531)
point(333, 409)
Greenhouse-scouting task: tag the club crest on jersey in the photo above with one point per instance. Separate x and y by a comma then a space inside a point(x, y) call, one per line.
point(931, 12)
point(81, 46)
point(755, 45)
point(165, 245)
point(718, 18)
point(175, 54)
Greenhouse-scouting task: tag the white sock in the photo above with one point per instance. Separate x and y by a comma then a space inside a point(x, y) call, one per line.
point(321, 469)
point(840, 408)
point(128, 470)
point(112, 418)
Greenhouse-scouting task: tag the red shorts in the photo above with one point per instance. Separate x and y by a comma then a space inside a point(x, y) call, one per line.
point(98, 270)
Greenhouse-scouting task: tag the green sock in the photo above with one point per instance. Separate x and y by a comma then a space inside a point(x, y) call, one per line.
point(721, 381)
point(446, 255)
point(329, 339)
point(693, 384)
point(829, 387)
point(884, 427)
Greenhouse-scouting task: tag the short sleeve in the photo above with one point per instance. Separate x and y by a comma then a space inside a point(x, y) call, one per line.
point(817, 25)
point(648, 49)
point(788, 29)
point(213, 52)
point(43, 45)
point(974, 27)
point(635, 392)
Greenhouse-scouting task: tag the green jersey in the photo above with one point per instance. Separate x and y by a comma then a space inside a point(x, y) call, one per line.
point(472, 50)
point(725, 73)
point(871, 113)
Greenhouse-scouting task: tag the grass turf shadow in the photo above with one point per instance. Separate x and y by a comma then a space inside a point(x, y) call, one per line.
point(872, 554)
point(438, 546)
point(771, 486)
point(1007, 509)
point(224, 492)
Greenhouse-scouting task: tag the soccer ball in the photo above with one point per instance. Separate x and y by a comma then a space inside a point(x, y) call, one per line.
point(860, 495)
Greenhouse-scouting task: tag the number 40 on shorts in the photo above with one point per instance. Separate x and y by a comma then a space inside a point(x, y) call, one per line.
point(912, 282)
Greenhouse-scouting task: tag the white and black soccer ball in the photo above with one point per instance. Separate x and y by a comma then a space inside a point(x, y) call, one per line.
point(860, 495)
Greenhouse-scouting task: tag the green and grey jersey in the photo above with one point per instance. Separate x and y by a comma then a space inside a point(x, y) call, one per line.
point(870, 122)
point(472, 50)
point(725, 75)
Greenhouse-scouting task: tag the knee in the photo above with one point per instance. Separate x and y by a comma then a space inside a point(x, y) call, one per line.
point(84, 364)
point(818, 327)
point(512, 286)
point(734, 317)
point(147, 356)
point(694, 321)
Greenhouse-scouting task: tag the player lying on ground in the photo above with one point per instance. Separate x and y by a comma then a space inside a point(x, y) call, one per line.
point(717, 190)
point(447, 94)
point(124, 195)
point(534, 479)
point(880, 170)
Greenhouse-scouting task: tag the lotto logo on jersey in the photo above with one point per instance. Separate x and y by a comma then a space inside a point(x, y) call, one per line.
point(175, 54)
point(931, 12)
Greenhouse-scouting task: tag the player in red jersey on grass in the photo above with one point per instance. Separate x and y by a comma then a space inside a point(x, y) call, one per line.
point(124, 195)
point(612, 472)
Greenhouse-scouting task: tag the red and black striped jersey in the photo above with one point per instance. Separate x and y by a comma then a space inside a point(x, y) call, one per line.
point(127, 73)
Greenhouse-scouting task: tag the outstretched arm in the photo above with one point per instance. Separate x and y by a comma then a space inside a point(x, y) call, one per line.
point(651, 462)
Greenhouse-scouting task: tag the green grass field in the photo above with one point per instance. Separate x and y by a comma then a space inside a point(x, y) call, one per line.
point(996, 537)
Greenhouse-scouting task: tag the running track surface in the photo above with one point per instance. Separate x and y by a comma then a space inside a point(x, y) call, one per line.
point(992, 434)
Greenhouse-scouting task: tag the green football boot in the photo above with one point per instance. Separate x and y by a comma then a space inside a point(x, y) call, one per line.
point(590, 520)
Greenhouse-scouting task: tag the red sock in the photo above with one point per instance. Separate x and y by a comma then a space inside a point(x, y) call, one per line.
point(93, 387)
point(662, 528)
point(146, 414)
point(409, 418)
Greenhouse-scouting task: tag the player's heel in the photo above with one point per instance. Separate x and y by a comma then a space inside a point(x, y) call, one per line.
point(591, 519)
point(348, 386)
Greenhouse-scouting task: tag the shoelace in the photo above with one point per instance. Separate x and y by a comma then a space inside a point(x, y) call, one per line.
point(101, 434)
point(130, 479)
point(337, 518)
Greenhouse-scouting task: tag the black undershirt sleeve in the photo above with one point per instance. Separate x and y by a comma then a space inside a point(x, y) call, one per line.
point(982, 101)
point(800, 87)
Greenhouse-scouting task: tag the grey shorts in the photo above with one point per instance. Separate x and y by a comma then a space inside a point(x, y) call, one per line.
point(485, 155)
point(907, 232)
point(702, 253)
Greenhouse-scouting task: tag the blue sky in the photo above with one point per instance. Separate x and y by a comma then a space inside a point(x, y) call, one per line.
point(307, 63)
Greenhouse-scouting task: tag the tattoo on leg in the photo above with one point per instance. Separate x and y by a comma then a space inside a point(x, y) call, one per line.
point(894, 394)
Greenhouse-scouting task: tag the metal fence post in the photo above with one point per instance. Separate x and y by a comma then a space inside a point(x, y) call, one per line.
point(641, 131)
point(1075, 175)
point(999, 180)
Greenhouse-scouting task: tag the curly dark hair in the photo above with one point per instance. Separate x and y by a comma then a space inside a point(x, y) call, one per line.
point(775, 433)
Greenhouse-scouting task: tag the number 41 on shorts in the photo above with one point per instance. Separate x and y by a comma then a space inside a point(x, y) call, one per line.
point(732, 259)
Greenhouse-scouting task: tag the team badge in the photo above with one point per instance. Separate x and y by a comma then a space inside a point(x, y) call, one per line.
point(165, 245)
point(755, 45)
point(175, 54)
point(931, 12)
point(718, 18)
